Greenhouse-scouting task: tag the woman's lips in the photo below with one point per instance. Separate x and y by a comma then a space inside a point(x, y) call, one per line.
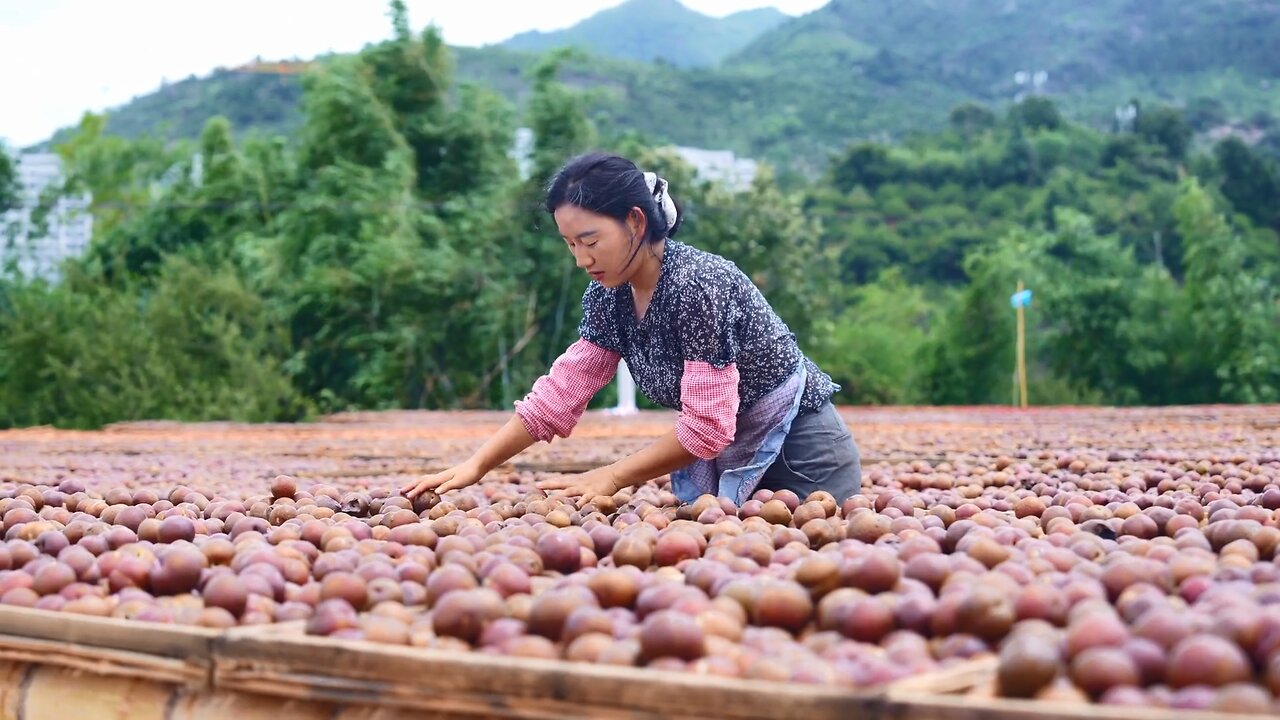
point(597, 275)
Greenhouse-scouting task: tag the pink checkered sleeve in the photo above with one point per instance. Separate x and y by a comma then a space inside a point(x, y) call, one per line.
point(708, 408)
point(558, 399)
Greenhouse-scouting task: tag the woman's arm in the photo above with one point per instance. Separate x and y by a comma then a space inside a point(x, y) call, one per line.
point(659, 458)
point(512, 439)
point(503, 445)
point(558, 399)
point(706, 426)
point(552, 408)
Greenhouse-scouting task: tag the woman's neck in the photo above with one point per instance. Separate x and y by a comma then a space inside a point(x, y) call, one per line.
point(645, 280)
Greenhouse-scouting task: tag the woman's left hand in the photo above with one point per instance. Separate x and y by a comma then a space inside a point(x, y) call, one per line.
point(601, 482)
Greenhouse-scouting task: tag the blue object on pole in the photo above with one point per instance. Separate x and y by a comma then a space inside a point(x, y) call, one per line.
point(1020, 299)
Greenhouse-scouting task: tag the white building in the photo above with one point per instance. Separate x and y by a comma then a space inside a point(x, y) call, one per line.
point(69, 226)
point(720, 166)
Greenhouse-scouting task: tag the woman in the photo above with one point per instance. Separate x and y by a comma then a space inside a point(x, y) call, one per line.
point(698, 337)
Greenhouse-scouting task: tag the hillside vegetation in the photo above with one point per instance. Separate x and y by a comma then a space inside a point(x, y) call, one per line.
point(653, 30)
point(391, 256)
point(807, 88)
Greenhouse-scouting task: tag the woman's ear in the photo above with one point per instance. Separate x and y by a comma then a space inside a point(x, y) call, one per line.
point(637, 223)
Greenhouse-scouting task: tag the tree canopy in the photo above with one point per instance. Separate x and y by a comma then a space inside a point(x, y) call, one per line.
point(392, 255)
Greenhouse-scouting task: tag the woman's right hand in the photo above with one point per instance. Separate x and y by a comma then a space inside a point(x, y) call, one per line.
point(458, 476)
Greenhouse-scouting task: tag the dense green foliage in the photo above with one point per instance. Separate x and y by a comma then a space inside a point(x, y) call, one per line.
point(267, 103)
point(194, 344)
point(394, 256)
point(10, 196)
point(648, 30)
point(799, 92)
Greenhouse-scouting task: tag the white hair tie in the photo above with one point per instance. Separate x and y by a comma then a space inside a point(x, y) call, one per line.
point(662, 197)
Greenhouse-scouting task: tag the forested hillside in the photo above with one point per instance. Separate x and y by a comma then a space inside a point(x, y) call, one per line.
point(852, 70)
point(649, 30)
point(390, 255)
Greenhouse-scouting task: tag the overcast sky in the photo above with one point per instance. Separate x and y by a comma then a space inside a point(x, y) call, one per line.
point(59, 58)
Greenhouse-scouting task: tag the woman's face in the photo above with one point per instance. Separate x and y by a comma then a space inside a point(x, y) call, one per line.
point(601, 245)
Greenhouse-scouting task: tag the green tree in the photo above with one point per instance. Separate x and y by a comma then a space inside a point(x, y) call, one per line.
point(118, 174)
point(10, 190)
point(1249, 181)
point(389, 284)
point(1232, 312)
point(1035, 113)
point(347, 123)
point(354, 216)
point(1089, 333)
point(197, 345)
point(558, 116)
point(10, 199)
point(466, 150)
point(969, 360)
point(204, 204)
point(410, 75)
point(1095, 322)
point(875, 342)
point(971, 119)
point(539, 304)
point(1166, 127)
point(865, 165)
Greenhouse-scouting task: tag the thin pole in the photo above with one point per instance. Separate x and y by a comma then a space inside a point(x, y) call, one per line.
point(1022, 351)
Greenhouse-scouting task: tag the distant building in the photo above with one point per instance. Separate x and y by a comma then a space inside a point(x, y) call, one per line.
point(68, 227)
point(720, 166)
point(1249, 135)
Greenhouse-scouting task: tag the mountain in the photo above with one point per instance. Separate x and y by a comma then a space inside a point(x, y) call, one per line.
point(857, 69)
point(265, 102)
point(980, 44)
point(650, 30)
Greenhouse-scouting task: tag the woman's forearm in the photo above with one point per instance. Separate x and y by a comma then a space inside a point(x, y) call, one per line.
point(503, 445)
point(663, 456)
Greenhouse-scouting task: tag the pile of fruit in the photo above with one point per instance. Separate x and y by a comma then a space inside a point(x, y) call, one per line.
point(1121, 557)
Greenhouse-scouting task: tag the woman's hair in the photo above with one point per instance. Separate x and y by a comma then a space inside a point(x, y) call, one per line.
point(610, 185)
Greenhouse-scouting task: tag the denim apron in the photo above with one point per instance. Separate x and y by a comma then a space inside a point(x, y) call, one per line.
point(758, 439)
